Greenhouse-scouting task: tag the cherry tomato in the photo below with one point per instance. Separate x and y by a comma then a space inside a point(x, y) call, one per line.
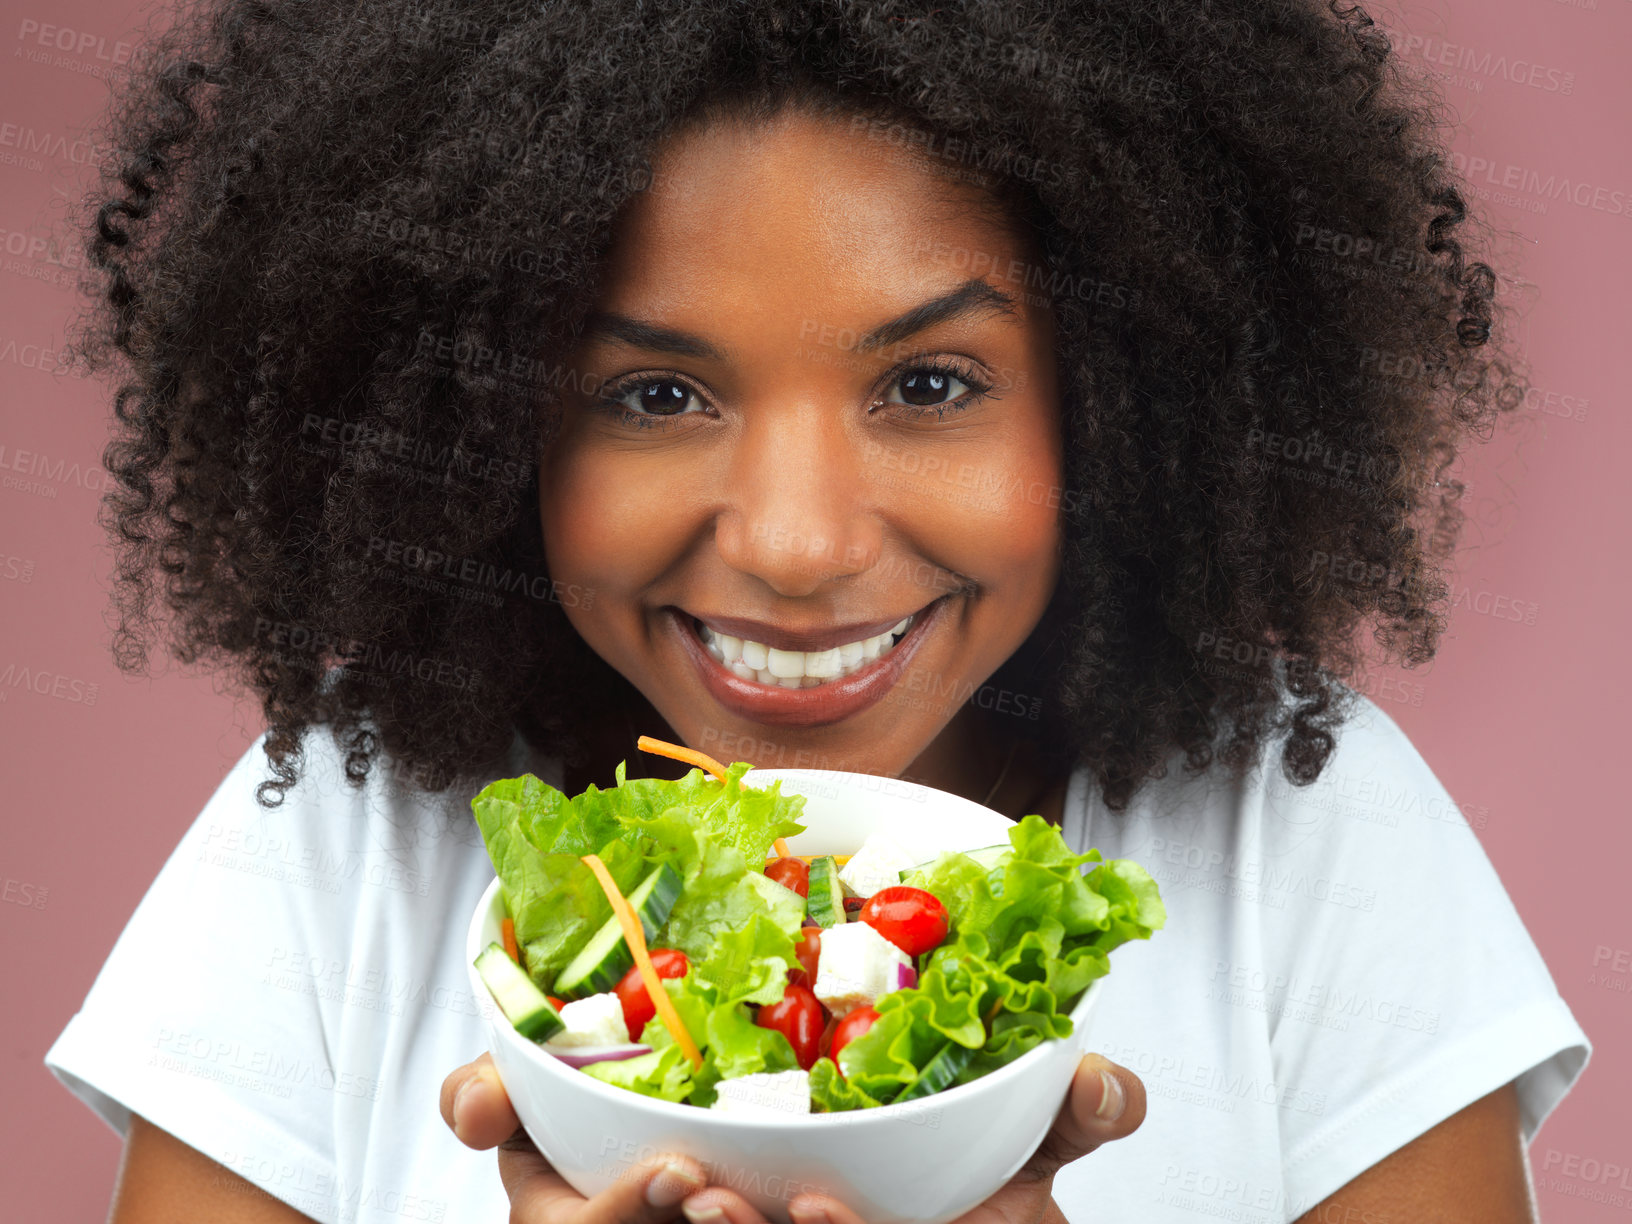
point(556, 1003)
point(799, 1018)
point(790, 873)
point(851, 1027)
point(638, 1007)
point(910, 918)
point(809, 949)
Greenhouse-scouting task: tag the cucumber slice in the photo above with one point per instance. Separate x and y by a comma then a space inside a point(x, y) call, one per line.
point(522, 1003)
point(606, 957)
point(826, 901)
point(938, 1073)
point(986, 856)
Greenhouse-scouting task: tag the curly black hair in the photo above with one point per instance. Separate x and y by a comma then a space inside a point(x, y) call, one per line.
point(337, 247)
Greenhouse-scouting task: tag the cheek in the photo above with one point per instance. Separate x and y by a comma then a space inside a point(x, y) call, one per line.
point(610, 522)
point(992, 510)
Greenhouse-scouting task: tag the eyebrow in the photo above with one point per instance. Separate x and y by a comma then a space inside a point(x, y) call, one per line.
point(974, 296)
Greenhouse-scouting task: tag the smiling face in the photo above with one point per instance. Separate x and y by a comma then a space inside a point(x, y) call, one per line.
point(800, 418)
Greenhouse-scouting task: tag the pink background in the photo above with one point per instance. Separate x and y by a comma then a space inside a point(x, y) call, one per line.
point(1513, 716)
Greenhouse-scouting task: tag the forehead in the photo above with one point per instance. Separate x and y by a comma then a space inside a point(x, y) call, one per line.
point(801, 205)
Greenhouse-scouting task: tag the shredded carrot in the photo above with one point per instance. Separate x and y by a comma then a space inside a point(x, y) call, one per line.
point(781, 848)
point(839, 860)
point(679, 752)
point(508, 929)
point(635, 936)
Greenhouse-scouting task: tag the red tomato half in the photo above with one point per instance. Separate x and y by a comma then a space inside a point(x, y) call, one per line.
point(910, 918)
point(848, 1029)
point(809, 949)
point(638, 1007)
point(790, 873)
point(799, 1018)
point(556, 1003)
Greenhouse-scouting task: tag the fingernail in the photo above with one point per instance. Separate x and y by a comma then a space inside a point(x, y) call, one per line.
point(804, 1214)
point(459, 1100)
point(671, 1183)
point(1112, 1100)
point(702, 1213)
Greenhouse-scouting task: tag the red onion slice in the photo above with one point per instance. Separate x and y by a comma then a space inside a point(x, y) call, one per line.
point(582, 1056)
point(905, 977)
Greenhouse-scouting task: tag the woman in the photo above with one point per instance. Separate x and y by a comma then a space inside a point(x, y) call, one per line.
point(507, 381)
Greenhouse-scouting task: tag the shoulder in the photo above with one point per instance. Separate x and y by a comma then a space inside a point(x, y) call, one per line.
point(389, 813)
point(1354, 942)
point(1374, 787)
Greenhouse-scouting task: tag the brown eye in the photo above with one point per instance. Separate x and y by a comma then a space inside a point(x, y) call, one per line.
point(923, 387)
point(939, 386)
point(657, 397)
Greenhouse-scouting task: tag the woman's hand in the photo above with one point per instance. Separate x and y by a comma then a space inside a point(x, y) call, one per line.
point(1097, 1110)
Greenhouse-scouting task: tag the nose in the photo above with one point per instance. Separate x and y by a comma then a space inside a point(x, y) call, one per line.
point(797, 513)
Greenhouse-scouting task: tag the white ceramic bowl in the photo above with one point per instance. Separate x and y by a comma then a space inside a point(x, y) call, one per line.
point(928, 1161)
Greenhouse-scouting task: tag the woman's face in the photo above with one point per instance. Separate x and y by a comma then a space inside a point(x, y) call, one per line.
point(802, 416)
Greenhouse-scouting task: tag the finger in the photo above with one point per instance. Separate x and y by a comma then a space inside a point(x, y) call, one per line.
point(476, 1107)
point(647, 1193)
point(821, 1209)
point(1106, 1102)
point(717, 1205)
point(528, 1178)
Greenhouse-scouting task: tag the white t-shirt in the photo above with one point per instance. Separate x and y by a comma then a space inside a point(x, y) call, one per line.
point(1340, 971)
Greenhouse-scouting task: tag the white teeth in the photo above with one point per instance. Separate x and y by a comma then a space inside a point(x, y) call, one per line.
point(785, 663)
point(797, 668)
point(822, 664)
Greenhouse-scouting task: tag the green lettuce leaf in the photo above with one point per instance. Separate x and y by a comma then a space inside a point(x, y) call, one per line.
point(664, 1073)
point(720, 892)
point(830, 1092)
point(709, 831)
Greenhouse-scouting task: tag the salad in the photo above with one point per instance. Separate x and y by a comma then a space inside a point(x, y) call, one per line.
point(661, 939)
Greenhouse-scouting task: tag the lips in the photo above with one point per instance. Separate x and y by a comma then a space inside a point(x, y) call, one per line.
point(827, 702)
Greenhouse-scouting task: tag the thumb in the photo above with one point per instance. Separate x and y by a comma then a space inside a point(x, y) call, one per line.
point(1105, 1102)
point(476, 1107)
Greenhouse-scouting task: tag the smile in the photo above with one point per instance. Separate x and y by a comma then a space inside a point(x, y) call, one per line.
point(777, 685)
point(798, 668)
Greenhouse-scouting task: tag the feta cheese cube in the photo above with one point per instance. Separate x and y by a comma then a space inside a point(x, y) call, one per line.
point(857, 967)
point(878, 864)
point(595, 1021)
point(765, 1094)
